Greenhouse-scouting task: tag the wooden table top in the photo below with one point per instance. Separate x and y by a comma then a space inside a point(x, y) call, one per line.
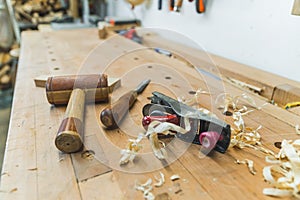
point(35, 169)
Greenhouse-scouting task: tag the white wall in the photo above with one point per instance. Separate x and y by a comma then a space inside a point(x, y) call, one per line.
point(259, 33)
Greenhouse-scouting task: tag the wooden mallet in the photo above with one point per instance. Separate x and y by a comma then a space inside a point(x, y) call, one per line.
point(75, 91)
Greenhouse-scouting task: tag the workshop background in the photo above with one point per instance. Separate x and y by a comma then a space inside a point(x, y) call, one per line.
point(259, 33)
point(55, 38)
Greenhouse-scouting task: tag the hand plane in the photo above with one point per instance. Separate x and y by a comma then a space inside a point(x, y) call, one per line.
point(206, 130)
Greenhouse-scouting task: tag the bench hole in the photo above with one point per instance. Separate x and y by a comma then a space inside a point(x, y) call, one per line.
point(88, 154)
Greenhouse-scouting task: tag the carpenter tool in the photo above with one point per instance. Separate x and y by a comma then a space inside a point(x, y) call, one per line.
point(159, 4)
point(163, 51)
point(296, 7)
point(171, 5)
point(161, 117)
point(113, 83)
point(209, 131)
point(131, 34)
point(59, 88)
point(178, 5)
point(74, 90)
point(113, 114)
point(200, 6)
point(69, 137)
point(291, 105)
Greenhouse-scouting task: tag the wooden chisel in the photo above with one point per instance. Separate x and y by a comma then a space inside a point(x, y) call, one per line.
point(171, 5)
point(113, 114)
point(178, 5)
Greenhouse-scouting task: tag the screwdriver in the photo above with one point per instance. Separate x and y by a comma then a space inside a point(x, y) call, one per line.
point(112, 115)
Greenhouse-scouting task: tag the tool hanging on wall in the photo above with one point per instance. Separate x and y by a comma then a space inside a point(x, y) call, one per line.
point(171, 5)
point(159, 4)
point(200, 6)
point(296, 8)
point(178, 5)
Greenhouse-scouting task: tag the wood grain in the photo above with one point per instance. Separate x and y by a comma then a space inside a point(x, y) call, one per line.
point(224, 67)
point(33, 165)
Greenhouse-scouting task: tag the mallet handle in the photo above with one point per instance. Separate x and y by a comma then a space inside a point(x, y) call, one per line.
point(69, 137)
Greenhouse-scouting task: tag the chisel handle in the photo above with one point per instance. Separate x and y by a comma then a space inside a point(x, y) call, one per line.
point(200, 6)
point(159, 4)
point(113, 114)
point(171, 5)
point(69, 138)
point(178, 5)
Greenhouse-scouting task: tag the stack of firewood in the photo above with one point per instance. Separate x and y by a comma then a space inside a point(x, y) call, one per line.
point(7, 69)
point(39, 11)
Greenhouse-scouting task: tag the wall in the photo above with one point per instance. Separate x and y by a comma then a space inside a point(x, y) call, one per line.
point(259, 33)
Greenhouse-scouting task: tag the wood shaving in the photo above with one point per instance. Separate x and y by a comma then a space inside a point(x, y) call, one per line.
point(157, 146)
point(249, 138)
point(284, 175)
point(238, 121)
point(130, 152)
point(244, 85)
point(175, 177)
point(244, 136)
point(238, 118)
point(226, 101)
point(194, 99)
point(160, 181)
point(249, 163)
point(146, 188)
point(165, 128)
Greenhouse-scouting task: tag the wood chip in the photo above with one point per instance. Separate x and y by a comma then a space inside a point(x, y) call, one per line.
point(284, 175)
point(175, 177)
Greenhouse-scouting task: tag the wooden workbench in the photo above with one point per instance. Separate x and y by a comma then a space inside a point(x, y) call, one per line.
point(34, 169)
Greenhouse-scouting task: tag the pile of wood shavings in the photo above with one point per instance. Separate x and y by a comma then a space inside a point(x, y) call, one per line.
point(227, 101)
point(284, 173)
point(242, 136)
point(130, 152)
point(157, 146)
point(249, 138)
point(147, 187)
